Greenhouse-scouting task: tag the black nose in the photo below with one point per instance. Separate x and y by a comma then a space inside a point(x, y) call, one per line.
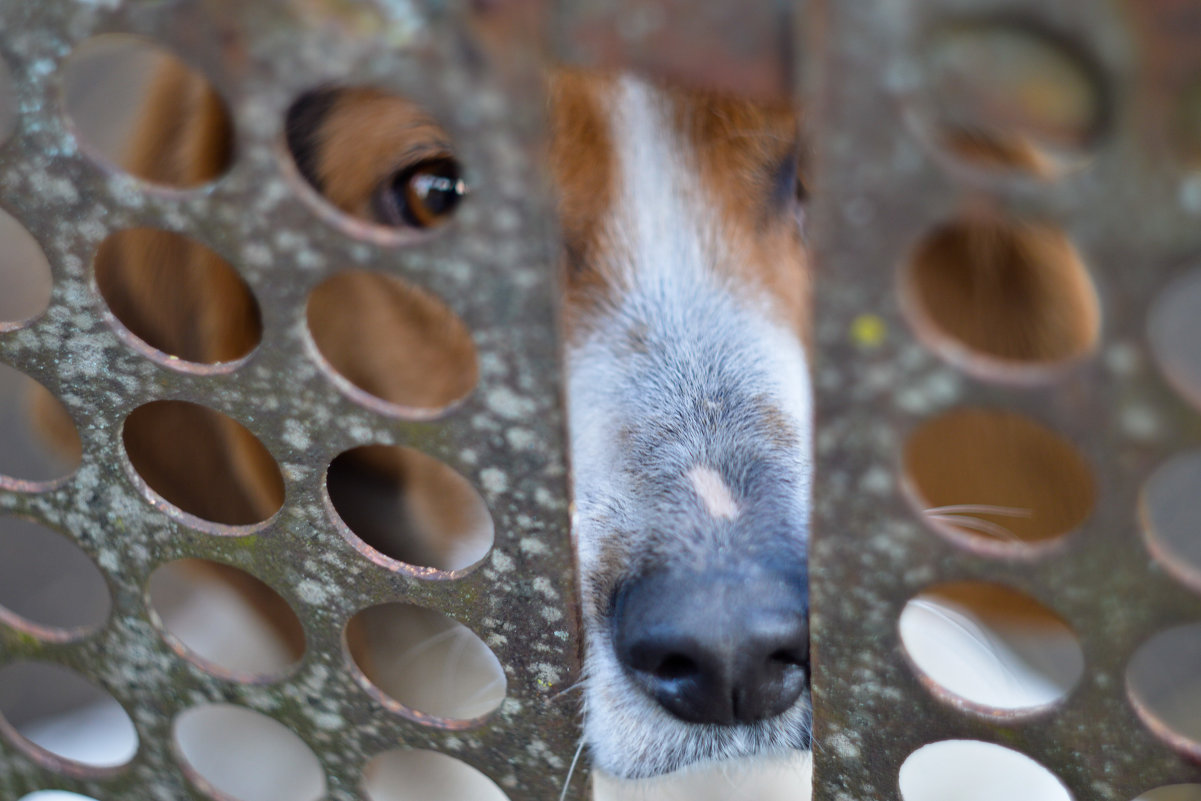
point(712, 647)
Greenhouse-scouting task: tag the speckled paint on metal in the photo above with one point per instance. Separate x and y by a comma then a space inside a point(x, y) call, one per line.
point(494, 267)
point(1132, 210)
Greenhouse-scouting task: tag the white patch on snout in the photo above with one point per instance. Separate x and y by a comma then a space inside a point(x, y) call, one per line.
point(713, 492)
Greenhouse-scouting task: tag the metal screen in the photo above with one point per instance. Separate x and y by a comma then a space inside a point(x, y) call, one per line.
point(881, 181)
point(1129, 202)
point(494, 270)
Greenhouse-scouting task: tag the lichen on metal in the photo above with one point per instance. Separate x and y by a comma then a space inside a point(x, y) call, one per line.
point(883, 181)
point(494, 270)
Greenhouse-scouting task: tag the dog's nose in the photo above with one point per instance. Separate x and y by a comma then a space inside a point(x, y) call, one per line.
point(715, 648)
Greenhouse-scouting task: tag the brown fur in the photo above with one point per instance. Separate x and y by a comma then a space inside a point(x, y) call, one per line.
point(581, 158)
point(168, 146)
point(399, 345)
point(739, 178)
point(998, 458)
point(182, 299)
point(738, 145)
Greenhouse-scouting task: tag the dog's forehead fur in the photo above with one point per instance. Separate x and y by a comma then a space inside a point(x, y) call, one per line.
point(734, 153)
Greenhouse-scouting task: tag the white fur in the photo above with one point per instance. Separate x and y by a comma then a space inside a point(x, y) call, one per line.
point(713, 492)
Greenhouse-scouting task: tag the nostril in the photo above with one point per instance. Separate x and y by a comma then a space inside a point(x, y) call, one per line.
point(676, 666)
point(787, 659)
point(663, 661)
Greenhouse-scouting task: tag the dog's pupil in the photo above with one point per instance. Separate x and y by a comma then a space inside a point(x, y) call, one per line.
point(430, 191)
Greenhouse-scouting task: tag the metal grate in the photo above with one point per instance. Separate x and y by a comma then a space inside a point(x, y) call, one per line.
point(493, 268)
point(1129, 197)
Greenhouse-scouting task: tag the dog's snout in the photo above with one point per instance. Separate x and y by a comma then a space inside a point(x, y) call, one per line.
point(722, 649)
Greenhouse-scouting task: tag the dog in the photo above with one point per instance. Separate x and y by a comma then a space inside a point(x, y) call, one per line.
point(690, 418)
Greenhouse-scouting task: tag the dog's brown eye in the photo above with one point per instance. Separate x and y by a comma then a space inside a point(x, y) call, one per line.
point(421, 196)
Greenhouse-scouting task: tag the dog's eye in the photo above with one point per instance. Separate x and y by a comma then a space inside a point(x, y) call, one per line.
point(787, 184)
point(420, 196)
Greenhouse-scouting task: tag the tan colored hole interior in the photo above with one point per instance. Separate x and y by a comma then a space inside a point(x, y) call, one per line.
point(24, 273)
point(976, 770)
point(46, 703)
point(203, 462)
point(246, 755)
point(230, 620)
point(393, 342)
point(419, 775)
point(992, 293)
point(410, 507)
point(1007, 96)
point(48, 580)
point(991, 645)
point(426, 662)
point(1164, 681)
point(38, 438)
point(995, 477)
point(177, 296)
point(125, 98)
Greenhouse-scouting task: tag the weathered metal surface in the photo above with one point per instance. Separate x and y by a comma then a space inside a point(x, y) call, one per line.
point(493, 266)
point(1134, 211)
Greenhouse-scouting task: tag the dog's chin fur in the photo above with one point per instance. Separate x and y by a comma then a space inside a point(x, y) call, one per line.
point(630, 736)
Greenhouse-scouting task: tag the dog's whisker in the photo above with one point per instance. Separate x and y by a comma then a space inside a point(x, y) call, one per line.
point(571, 688)
point(485, 691)
point(965, 626)
point(454, 661)
point(980, 509)
point(417, 650)
point(976, 524)
point(571, 770)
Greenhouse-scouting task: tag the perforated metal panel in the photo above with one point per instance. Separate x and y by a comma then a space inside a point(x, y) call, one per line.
point(1131, 206)
point(492, 267)
point(881, 182)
